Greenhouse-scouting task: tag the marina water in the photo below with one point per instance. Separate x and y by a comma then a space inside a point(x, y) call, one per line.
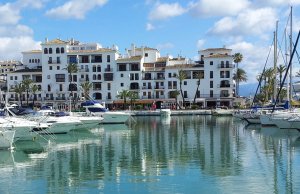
point(184, 154)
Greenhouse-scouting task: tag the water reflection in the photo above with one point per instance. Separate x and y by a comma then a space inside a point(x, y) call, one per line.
point(157, 152)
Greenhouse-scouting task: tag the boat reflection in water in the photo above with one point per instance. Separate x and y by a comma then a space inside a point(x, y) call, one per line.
point(158, 156)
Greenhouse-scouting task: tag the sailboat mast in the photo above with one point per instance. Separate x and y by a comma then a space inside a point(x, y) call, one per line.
point(275, 61)
point(291, 50)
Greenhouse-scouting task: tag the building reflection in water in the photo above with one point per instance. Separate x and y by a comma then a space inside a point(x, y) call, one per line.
point(105, 158)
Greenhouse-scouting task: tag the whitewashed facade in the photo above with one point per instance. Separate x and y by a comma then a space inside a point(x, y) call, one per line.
point(142, 70)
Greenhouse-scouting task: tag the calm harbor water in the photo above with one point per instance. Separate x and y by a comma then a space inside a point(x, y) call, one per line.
point(185, 154)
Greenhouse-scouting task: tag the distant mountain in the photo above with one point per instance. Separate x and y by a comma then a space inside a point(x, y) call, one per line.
point(248, 89)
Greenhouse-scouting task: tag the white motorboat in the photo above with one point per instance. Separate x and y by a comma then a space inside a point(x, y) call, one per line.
point(87, 121)
point(6, 138)
point(59, 124)
point(109, 117)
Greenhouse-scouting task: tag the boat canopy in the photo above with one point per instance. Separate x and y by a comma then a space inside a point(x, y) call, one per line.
point(90, 103)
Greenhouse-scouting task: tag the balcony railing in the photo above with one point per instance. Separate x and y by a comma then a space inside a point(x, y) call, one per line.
point(225, 85)
point(54, 62)
point(146, 87)
point(108, 69)
point(226, 66)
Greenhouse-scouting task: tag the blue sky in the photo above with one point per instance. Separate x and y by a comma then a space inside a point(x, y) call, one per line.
point(179, 27)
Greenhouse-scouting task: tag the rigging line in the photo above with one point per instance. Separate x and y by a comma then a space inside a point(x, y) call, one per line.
point(290, 62)
point(260, 79)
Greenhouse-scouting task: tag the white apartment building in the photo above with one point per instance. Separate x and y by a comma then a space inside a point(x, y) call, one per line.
point(141, 70)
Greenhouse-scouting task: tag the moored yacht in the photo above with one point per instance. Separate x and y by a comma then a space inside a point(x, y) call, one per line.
point(93, 107)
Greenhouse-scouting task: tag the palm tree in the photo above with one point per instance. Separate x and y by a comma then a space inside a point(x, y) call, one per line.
point(19, 89)
point(27, 83)
point(34, 89)
point(281, 69)
point(132, 97)
point(72, 68)
point(86, 86)
point(198, 76)
point(181, 76)
point(123, 95)
point(239, 76)
point(237, 58)
point(174, 94)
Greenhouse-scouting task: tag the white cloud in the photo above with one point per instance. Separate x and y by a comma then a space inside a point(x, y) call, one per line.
point(254, 58)
point(11, 47)
point(200, 44)
point(75, 9)
point(164, 11)
point(150, 27)
point(8, 15)
point(207, 8)
point(15, 30)
point(260, 3)
point(36, 4)
point(15, 37)
point(249, 22)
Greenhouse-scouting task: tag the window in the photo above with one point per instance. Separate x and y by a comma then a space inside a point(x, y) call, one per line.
point(94, 76)
point(60, 77)
point(108, 58)
point(169, 74)
point(98, 59)
point(211, 84)
point(227, 74)
point(48, 76)
point(211, 93)
point(136, 76)
point(50, 60)
point(122, 84)
point(211, 62)
point(45, 51)
point(60, 87)
point(11, 77)
point(185, 94)
point(29, 60)
point(99, 76)
point(62, 50)
point(58, 60)
point(50, 50)
point(94, 68)
point(50, 67)
point(98, 68)
point(108, 86)
point(49, 88)
point(211, 74)
point(16, 77)
point(108, 95)
point(57, 50)
point(58, 67)
point(121, 75)
point(146, 54)
point(185, 83)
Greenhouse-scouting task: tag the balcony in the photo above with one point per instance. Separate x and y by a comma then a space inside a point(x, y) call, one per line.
point(108, 69)
point(225, 85)
point(159, 78)
point(84, 70)
point(60, 98)
point(224, 95)
point(108, 77)
point(54, 62)
point(225, 66)
point(147, 87)
point(159, 88)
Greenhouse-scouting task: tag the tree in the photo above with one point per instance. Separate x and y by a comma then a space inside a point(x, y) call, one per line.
point(19, 89)
point(132, 97)
point(123, 95)
point(86, 86)
point(72, 68)
point(181, 76)
point(34, 89)
point(239, 76)
point(281, 69)
point(174, 94)
point(237, 58)
point(199, 76)
point(27, 83)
